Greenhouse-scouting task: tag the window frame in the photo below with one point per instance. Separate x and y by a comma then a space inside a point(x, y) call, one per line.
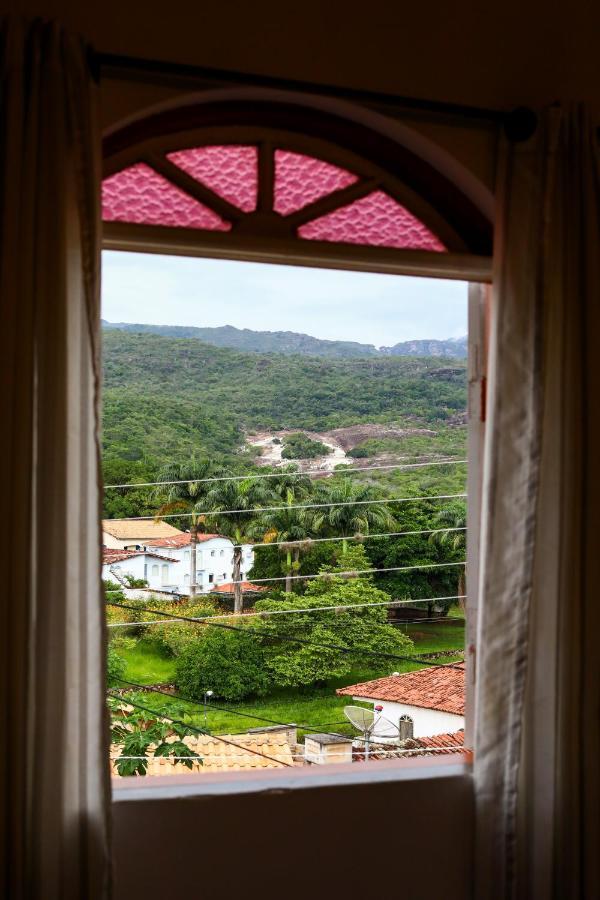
point(472, 268)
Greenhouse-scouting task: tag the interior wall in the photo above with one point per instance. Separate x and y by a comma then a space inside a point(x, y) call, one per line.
point(409, 839)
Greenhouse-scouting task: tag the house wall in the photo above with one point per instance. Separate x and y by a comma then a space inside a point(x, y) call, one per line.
point(219, 565)
point(141, 567)
point(426, 722)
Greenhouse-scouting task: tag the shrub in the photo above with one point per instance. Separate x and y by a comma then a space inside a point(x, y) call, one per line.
point(115, 667)
point(359, 453)
point(299, 446)
point(172, 637)
point(229, 663)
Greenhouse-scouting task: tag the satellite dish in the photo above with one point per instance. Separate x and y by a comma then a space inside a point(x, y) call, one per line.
point(365, 720)
point(362, 718)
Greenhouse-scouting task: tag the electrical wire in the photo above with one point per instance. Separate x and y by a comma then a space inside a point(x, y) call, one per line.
point(193, 728)
point(274, 612)
point(262, 509)
point(352, 651)
point(353, 537)
point(346, 470)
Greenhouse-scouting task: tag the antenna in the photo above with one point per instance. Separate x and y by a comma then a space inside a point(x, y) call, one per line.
point(365, 720)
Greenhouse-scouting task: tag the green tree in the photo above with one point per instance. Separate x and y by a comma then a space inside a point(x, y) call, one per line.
point(187, 495)
point(354, 514)
point(452, 520)
point(290, 526)
point(137, 735)
point(230, 663)
point(238, 514)
point(343, 634)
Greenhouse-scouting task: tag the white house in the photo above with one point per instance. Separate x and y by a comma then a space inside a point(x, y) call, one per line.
point(214, 559)
point(432, 700)
point(132, 534)
point(162, 572)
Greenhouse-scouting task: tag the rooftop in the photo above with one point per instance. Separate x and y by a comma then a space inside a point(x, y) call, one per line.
point(218, 756)
point(438, 687)
point(436, 745)
point(181, 540)
point(110, 556)
point(228, 588)
point(130, 529)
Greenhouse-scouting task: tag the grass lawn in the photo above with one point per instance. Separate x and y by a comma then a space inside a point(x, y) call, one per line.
point(316, 708)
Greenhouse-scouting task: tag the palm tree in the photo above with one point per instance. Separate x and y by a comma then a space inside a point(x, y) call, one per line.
point(292, 526)
point(188, 497)
point(237, 507)
point(448, 520)
point(354, 515)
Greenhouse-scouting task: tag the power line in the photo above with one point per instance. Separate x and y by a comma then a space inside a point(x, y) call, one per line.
point(346, 470)
point(353, 537)
point(353, 573)
point(198, 730)
point(272, 612)
point(261, 509)
point(356, 651)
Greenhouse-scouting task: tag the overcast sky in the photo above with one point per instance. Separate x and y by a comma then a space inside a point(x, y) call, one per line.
point(352, 306)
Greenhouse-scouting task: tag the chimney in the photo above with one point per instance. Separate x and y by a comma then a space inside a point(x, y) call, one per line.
point(405, 728)
point(324, 749)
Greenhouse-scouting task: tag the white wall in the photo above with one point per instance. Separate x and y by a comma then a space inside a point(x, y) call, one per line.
point(426, 722)
point(213, 558)
point(158, 573)
point(409, 839)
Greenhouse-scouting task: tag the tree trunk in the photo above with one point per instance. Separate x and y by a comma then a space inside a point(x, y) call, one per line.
point(462, 590)
point(238, 598)
point(193, 543)
point(344, 546)
point(288, 572)
point(296, 563)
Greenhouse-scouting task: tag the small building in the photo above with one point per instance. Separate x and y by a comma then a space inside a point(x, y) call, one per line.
point(431, 701)
point(214, 559)
point(133, 534)
point(160, 572)
point(326, 749)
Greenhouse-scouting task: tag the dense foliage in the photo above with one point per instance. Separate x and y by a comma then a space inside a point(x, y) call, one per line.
point(299, 446)
point(229, 663)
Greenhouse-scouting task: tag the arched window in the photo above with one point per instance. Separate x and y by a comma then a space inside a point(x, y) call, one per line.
point(155, 571)
point(265, 181)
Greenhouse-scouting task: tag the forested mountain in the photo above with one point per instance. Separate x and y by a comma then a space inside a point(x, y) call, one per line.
point(292, 343)
point(166, 397)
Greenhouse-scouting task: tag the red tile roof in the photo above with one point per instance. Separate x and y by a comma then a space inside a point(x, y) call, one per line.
point(438, 687)
point(227, 588)
point(436, 745)
point(110, 556)
point(180, 540)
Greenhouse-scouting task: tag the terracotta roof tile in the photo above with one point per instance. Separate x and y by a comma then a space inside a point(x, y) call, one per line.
point(134, 529)
point(180, 540)
point(247, 588)
point(438, 687)
point(110, 556)
point(436, 745)
point(218, 756)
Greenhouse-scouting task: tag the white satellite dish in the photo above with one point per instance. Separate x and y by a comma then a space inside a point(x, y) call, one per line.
point(365, 720)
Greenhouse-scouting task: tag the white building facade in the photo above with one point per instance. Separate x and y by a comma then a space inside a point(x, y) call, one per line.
point(214, 560)
point(159, 571)
point(432, 699)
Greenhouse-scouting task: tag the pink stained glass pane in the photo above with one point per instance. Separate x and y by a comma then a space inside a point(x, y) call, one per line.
point(300, 180)
point(230, 171)
point(377, 220)
point(140, 195)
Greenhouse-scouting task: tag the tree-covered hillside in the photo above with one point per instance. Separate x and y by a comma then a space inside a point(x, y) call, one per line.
point(165, 398)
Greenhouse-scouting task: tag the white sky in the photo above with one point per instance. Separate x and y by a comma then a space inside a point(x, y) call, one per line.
point(352, 306)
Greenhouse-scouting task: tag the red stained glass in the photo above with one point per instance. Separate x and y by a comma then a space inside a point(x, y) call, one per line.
point(377, 220)
point(300, 180)
point(139, 195)
point(230, 171)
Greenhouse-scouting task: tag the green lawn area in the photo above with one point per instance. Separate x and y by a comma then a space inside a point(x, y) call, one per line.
point(317, 708)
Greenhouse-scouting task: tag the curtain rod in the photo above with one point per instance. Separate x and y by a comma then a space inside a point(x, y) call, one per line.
point(519, 124)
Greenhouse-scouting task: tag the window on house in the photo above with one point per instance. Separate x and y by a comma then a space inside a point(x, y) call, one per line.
point(155, 571)
point(344, 471)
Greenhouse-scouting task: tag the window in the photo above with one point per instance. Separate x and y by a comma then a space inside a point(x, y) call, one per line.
point(266, 194)
point(186, 555)
point(155, 571)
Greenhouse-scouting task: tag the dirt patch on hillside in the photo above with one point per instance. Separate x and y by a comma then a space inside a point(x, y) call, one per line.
point(355, 434)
